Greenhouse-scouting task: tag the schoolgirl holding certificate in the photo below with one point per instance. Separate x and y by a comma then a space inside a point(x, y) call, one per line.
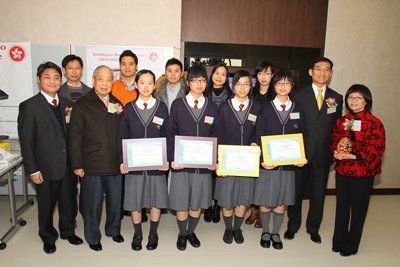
point(190, 189)
point(145, 118)
point(274, 189)
point(238, 121)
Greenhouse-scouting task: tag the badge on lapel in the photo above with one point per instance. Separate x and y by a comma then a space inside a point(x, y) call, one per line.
point(332, 104)
point(68, 111)
point(209, 120)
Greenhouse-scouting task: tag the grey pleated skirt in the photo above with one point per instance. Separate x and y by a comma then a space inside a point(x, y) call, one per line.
point(190, 191)
point(145, 191)
point(275, 188)
point(232, 191)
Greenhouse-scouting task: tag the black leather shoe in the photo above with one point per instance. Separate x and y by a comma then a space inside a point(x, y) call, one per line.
point(289, 235)
point(181, 242)
point(228, 236)
point(49, 248)
point(335, 250)
point(152, 243)
point(96, 247)
point(137, 243)
point(193, 240)
point(118, 238)
point(216, 217)
point(315, 237)
point(265, 243)
point(238, 236)
point(276, 244)
point(346, 254)
point(73, 239)
point(144, 215)
point(208, 214)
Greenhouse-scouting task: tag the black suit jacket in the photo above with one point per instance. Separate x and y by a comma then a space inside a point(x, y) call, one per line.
point(43, 140)
point(318, 124)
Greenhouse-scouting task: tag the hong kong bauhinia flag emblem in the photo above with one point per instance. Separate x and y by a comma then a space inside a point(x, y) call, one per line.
point(17, 53)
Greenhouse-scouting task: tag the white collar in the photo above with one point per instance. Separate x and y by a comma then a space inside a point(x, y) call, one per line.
point(278, 104)
point(316, 88)
point(49, 99)
point(150, 103)
point(190, 99)
point(235, 103)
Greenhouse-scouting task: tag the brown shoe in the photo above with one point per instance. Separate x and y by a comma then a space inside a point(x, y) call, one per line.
point(252, 217)
point(258, 223)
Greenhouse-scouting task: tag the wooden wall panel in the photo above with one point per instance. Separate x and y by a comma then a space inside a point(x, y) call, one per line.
point(296, 23)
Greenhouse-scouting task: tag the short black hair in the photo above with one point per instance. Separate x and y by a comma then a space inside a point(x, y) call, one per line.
point(279, 76)
point(144, 71)
point(239, 74)
point(128, 53)
point(196, 71)
point(173, 61)
point(321, 59)
point(362, 90)
point(67, 59)
point(48, 65)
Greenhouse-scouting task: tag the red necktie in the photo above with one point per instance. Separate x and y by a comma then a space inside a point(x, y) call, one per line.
point(145, 105)
point(54, 103)
point(241, 106)
point(195, 104)
point(283, 107)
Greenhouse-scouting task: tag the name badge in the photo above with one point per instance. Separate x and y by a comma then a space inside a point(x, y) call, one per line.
point(330, 110)
point(294, 116)
point(209, 120)
point(158, 121)
point(252, 117)
point(356, 126)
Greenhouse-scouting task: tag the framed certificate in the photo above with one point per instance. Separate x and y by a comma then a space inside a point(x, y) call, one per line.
point(196, 152)
point(287, 149)
point(238, 160)
point(144, 154)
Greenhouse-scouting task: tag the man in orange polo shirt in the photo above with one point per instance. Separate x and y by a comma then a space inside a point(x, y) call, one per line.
point(124, 89)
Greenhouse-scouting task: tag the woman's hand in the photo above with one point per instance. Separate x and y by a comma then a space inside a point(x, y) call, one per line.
point(122, 169)
point(341, 156)
point(301, 164)
point(268, 167)
point(166, 168)
point(176, 166)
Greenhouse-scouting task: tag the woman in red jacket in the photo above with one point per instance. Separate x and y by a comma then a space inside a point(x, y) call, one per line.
point(358, 146)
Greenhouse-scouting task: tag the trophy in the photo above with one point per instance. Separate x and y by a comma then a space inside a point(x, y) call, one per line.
point(344, 146)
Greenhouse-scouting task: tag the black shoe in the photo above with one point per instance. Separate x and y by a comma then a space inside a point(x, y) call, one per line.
point(49, 248)
point(208, 214)
point(276, 244)
point(181, 242)
point(335, 250)
point(137, 243)
point(265, 243)
point(152, 243)
point(315, 237)
point(346, 254)
point(118, 238)
point(73, 239)
point(289, 235)
point(144, 215)
point(193, 240)
point(238, 236)
point(96, 247)
point(216, 217)
point(228, 236)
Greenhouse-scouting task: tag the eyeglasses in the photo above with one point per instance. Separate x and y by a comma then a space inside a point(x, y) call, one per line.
point(283, 84)
point(264, 73)
point(326, 70)
point(197, 81)
point(242, 84)
point(356, 98)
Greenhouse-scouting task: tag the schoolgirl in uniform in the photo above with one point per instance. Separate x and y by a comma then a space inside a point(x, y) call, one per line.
point(190, 189)
point(145, 118)
point(238, 120)
point(274, 189)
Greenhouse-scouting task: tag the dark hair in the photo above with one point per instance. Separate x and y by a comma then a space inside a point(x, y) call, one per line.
point(197, 71)
point(144, 71)
point(263, 66)
point(225, 86)
point(128, 53)
point(239, 74)
point(321, 59)
point(48, 65)
point(173, 61)
point(362, 90)
point(67, 59)
point(279, 76)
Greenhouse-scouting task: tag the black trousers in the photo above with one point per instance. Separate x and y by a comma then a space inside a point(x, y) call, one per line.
point(92, 192)
point(352, 201)
point(48, 194)
point(316, 177)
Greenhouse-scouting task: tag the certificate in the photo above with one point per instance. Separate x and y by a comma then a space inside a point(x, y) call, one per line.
point(144, 154)
point(287, 149)
point(238, 161)
point(196, 152)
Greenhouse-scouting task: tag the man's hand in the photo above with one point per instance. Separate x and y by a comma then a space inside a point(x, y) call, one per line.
point(79, 172)
point(37, 178)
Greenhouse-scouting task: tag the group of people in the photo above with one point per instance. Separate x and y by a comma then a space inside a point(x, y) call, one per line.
point(75, 133)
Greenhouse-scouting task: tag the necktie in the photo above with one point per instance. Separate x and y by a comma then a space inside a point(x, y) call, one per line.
point(54, 103)
point(195, 104)
point(320, 99)
point(145, 105)
point(241, 106)
point(283, 107)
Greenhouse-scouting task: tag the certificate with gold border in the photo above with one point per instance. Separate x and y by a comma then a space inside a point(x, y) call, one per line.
point(238, 161)
point(279, 150)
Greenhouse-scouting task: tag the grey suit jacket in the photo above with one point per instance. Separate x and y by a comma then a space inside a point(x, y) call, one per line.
point(64, 90)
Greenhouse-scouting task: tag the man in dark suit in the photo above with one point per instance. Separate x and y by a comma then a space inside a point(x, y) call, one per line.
point(321, 107)
point(42, 132)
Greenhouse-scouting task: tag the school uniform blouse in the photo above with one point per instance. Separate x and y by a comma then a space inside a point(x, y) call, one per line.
point(368, 145)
